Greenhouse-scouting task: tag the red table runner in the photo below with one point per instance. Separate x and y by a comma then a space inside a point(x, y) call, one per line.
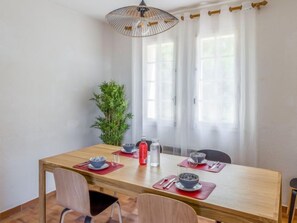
point(111, 168)
point(201, 194)
point(130, 155)
point(204, 167)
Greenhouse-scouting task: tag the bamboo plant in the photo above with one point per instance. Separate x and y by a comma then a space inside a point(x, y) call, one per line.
point(112, 121)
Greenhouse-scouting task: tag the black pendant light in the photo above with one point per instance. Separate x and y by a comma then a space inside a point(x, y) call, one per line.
point(140, 21)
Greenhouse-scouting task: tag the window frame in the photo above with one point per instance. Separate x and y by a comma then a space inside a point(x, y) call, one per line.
point(197, 75)
point(156, 41)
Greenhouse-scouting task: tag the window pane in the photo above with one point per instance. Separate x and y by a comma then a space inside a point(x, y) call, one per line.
point(167, 51)
point(166, 91)
point(151, 91)
point(151, 109)
point(167, 110)
point(228, 90)
point(207, 111)
point(151, 72)
point(151, 53)
point(226, 45)
point(208, 69)
point(159, 81)
point(208, 47)
point(167, 72)
point(208, 91)
point(226, 67)
point(228, 114)
point(216, 81)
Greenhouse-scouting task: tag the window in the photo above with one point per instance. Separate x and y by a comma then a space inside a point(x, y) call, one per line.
point(216, 84)
point(159, 81)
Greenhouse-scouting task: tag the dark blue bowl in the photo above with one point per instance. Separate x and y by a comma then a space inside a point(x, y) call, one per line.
point(97, 161)
point(188, 180)
point(129, 147)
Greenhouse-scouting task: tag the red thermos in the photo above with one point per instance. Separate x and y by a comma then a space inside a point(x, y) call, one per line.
point(143, 151)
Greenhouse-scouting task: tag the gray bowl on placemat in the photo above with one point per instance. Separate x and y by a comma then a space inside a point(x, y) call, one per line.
point(97, 161)
point(128, 147)
point(188, 180)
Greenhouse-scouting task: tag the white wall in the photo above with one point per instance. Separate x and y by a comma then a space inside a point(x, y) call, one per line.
point(277, 89)
point(121, 60)
point(51, 60)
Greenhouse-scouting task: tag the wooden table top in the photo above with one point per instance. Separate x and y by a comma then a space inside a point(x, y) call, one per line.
point(242, 194)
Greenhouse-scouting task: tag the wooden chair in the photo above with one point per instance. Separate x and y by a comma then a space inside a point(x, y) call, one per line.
point(72, 192)
point(155, 208)
point(216, 155)
point(292, 200)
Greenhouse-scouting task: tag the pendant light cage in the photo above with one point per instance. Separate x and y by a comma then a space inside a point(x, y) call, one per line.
point(140, 21)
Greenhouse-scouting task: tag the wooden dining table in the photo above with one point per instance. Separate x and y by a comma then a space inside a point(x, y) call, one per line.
point(242, 194)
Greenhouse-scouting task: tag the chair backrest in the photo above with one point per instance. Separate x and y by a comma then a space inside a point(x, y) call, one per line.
point(148, 145)
point(155, 208)
point(72, 191)
point(216, 155)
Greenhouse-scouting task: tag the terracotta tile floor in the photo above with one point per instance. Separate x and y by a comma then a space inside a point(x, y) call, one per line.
point(129, 213)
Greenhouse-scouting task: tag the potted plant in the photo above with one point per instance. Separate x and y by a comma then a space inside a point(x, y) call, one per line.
point(113, 105)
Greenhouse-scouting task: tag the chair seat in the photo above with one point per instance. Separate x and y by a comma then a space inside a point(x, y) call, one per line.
point(293, 183)
point(98, 207)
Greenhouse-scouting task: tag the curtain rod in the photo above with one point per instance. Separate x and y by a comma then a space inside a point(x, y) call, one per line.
point(257, 5)
point(231, 9)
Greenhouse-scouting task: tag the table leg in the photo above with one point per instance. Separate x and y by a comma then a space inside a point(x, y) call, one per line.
point(280, 214)
point(292, 206)
point(289, 200)
point(42, 195)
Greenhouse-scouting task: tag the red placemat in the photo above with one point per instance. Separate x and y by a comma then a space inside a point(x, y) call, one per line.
point(130, 155)
point(111, 168)
point(204, 167)
point(201, 194)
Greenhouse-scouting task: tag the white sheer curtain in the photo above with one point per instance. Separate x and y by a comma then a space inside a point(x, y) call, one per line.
point(159, 87)
point(206, 88)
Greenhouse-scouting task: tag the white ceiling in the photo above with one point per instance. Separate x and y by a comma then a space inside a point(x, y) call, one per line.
point(99, 8)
